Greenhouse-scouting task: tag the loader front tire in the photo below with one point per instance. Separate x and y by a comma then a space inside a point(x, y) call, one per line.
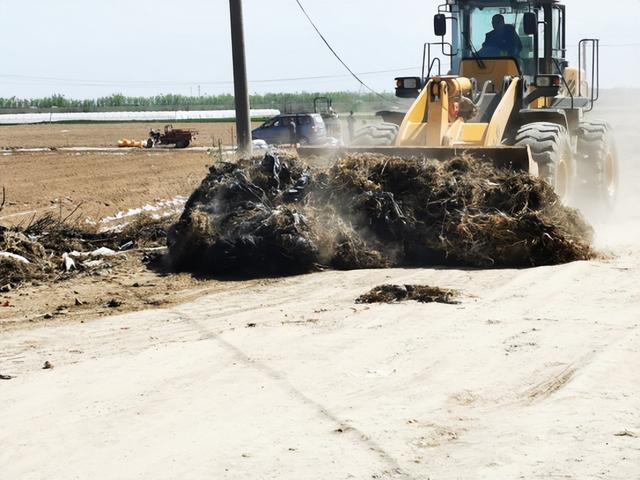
point(597, 168)
point(376, 135)
point(551, 150)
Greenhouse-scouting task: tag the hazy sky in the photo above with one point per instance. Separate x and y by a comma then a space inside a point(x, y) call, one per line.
point(143, 47)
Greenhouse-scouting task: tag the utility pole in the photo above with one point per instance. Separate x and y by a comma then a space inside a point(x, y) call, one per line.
point(241, 90)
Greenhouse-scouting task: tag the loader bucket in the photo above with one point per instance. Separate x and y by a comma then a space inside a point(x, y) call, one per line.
point(505, 157)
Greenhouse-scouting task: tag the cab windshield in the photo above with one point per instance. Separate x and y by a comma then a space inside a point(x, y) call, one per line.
point(494, 32)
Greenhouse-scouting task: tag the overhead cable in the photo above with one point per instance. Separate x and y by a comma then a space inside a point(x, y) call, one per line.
point(335, 54)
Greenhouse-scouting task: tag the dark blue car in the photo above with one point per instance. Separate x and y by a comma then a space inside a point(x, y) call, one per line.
point(309, 129)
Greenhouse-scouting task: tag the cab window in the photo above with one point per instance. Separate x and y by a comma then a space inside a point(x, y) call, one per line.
point(556, 40)
point(492, 32)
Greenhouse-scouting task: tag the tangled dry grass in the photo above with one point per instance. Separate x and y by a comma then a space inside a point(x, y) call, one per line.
point(401, 293)
point(276, 216)
point(40, 251)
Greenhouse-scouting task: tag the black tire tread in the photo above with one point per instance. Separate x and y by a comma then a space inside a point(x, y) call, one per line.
point(546, 141)
point(380, 134)
point(594, 142)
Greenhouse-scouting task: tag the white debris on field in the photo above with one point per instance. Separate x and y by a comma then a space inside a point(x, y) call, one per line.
point(100, 252)
point(162, 208)
point(260, 145)
point(13, 256)
point(68, 263)
point(93, 263)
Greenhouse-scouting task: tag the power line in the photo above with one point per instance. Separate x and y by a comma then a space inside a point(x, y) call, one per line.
point(36, 80)
point(335, 54)
point(320, 77)
point(151, 83)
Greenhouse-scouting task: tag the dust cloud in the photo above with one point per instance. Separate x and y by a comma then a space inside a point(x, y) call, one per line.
point(620, 232)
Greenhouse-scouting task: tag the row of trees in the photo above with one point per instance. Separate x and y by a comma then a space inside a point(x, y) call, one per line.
point(281, 101)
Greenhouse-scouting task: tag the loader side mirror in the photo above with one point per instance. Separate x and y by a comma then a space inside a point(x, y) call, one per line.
point(440, 25)
point(530, 22)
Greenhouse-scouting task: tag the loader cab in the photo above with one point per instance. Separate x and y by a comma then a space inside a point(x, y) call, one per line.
point(532, 40)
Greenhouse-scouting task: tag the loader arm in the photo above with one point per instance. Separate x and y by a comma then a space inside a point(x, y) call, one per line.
point(500, 119)
point(431, 121)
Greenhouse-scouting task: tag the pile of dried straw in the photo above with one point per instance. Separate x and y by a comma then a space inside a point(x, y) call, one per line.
point(277, 215)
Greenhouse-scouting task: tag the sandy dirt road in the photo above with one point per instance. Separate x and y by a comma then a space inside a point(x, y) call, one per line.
point(533, 375)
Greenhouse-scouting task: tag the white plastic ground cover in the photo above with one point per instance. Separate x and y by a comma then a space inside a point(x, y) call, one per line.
point(260, 145)
point(173, 205)
point(167, 116)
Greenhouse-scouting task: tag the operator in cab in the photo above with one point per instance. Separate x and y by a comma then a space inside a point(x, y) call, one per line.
point(502, 41)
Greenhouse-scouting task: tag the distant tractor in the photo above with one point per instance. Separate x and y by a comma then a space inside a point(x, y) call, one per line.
point(324, 106)
point(171, 136)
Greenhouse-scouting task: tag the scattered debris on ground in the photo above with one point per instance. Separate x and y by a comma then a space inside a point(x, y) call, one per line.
point(401, 293)
point(276, 215)
point(113, 303)
point(50, 248)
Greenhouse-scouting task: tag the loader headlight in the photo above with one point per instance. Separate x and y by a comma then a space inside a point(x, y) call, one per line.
point(409, 83)
point(408, 87)
point(542, 81)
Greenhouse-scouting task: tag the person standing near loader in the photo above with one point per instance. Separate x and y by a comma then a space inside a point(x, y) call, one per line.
point(351, 124)
point(293, 131)
point(332, 121)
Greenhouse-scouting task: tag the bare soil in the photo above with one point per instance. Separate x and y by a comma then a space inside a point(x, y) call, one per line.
point(102, 183)
point(105, 135)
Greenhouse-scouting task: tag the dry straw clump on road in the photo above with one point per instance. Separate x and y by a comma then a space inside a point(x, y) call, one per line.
point(277, 215)
point(402, 293)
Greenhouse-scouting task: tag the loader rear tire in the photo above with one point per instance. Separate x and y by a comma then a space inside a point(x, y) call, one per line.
point(551, 150)
point(597, 165)
point(377, 135)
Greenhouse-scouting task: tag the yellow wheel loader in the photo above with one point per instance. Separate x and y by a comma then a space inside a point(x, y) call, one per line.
point(510, 98)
